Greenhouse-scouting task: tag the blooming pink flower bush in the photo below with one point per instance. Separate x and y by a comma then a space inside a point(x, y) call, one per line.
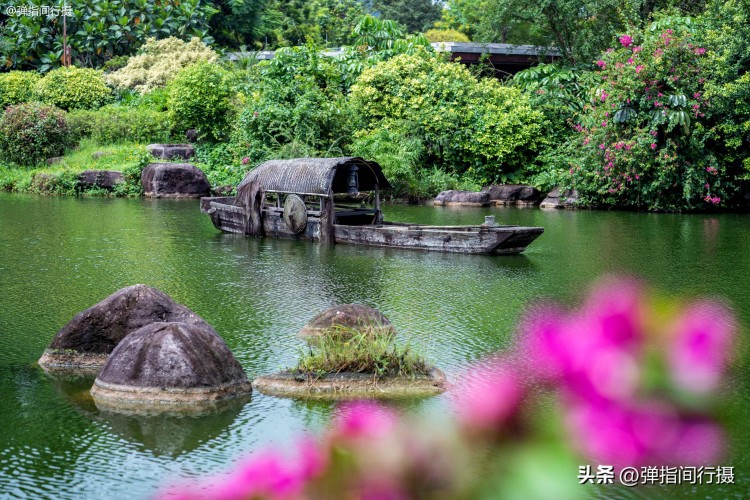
point(654, 93)
point(628, 383)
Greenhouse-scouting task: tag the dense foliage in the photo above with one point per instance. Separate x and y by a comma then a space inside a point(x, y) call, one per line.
point(17, 87)
point(73, 88)
point(296, 107)
point(643, 133)
point(113, 124)
point(200, 98)
point(416, 15)
point(662, 86)
point(472, 127)
point(33, 132)
point(97, 29)
point(158, 63)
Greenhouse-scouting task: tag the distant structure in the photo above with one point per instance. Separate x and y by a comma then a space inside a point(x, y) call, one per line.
point(505, 58)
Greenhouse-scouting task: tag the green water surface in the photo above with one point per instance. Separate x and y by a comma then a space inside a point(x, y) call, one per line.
point(59, 256)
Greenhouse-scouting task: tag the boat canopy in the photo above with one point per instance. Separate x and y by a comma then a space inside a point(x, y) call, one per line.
point(316, 176)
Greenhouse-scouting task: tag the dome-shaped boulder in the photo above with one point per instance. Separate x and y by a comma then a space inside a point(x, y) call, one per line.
point(87, 340)
point(169, 365)
point(347, 319)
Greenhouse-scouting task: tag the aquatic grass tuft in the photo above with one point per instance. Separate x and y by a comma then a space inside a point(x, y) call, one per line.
point(361, 350)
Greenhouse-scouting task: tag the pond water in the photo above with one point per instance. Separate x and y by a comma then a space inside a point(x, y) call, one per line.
point(59, 256)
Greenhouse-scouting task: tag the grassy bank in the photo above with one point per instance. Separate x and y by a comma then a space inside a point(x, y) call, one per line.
point(61, 178)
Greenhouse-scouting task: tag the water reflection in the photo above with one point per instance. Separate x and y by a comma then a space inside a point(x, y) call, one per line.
point(58, 256)
point(161, 432)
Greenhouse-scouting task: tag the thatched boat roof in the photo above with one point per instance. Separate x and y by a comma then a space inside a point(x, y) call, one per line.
point(317, 176)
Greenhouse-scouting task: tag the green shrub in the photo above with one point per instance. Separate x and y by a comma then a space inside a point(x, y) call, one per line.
point(476, 128)
point(32, 132)
point(17, 87)
point(560, 93)
point(222, 166)
point(200, 97)
point(446, 35)
point(73, 88)
point(341, 349)
point(112, 124)
point(159, 63)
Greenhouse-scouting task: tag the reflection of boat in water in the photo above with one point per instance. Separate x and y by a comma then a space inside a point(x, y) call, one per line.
point(297, 199)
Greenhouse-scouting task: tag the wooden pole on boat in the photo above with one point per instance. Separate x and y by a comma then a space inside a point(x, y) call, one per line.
point(326, 221)
point(378, 213)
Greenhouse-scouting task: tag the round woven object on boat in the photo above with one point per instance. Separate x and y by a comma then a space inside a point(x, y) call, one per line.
point(295, 213)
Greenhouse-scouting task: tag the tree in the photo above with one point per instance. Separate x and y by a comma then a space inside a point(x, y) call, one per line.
point(286, 23)
point(237, 22)
point(417, 15)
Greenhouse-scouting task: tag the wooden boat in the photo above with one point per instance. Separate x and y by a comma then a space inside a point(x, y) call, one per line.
point(321, 199)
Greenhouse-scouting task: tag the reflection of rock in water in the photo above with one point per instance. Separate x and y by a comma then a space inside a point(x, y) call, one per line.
point(172, 435)
point(77, 390)
point(163, 433)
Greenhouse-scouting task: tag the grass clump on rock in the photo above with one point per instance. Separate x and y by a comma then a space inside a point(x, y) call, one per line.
point(344, 349)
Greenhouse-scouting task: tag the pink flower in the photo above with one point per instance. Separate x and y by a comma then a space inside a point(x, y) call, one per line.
point(637, 49)
point(488, 396)
point(639, 68)
point(700, 51)
point(245, 160)
point(602, 146)
point(697, 95)
point(653, 145)
point(604, 124)
point(630, 61)
point(626, 40)
point(637, 176)
point(586, 140)
point(364, 419)
point(702, 346)
point(601, 64)
point(604, 96)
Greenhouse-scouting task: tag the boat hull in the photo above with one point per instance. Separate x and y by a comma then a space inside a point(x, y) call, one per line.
point(498, 240)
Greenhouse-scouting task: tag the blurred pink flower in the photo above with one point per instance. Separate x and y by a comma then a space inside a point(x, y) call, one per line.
point(626, 40)
point(702, 345)
point(489, 395)
point(364, 419)
point(245, 160)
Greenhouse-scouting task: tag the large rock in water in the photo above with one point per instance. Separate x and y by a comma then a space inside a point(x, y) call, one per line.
point(100, 178)
point(169, 365)
point(463, 198)
point(558, 199)
point(87, 340)
point(171, 151)
point(174, 180)
point(513, 194)
point(347, 319)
